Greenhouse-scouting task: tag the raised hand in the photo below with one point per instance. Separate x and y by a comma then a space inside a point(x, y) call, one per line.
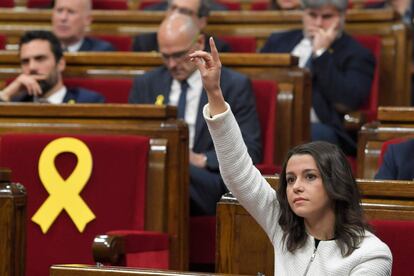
point(210, 69)
point(23, 82)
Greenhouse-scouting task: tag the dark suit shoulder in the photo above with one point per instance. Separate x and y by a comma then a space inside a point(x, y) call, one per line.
point(282, 42)
point(93, 44)
point(145, 42)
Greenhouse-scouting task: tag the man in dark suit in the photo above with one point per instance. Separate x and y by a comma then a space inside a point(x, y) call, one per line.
point(70, 20)
point(199, 10)
point(342, 69)
point(178, 83)
point(42, 64)
point(398, 163)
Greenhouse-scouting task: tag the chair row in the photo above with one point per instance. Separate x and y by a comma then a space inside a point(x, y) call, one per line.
point(395, 36)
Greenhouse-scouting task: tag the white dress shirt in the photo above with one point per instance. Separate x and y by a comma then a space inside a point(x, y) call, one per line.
point(55, 98)
point(195, 88)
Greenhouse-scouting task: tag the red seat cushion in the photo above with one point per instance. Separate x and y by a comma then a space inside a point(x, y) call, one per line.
point(114, 90)
point(240, 44)
point(122, 43)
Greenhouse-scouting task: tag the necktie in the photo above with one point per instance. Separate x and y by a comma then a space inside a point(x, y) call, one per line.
point(182, 100)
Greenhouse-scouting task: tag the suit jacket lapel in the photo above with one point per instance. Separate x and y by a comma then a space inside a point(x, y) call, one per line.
point(163, 85)
point(200, 123)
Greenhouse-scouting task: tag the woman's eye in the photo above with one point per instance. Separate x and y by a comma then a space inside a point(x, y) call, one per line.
point(290, 180)
point(310, 176)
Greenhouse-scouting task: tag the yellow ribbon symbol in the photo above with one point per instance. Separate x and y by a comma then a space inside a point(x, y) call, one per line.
point(64, 194)
point(159, 100)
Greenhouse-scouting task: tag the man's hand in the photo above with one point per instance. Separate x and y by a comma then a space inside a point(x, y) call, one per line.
point(23, 82)
point(198, 159)
point(323, 39)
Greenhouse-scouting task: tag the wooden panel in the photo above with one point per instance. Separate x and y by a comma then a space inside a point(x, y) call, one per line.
point(12, 229)
point(243, 247)
point(294, 99)
point(147, 120)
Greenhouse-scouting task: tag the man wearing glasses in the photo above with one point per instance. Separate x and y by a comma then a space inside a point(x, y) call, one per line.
point(178, 83)
point(199, 10)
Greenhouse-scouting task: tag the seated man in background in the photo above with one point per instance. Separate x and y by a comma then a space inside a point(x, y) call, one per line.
point(199, 10)
point(342, 69)
point(178, 83)
point(42, 64)
point(70, 20)
point(398, 163)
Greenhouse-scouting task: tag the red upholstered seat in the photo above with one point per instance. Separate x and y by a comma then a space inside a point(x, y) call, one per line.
point(373, 43)
point(146, 3)
point(36, 4)
point(7, 4)
point(265, 92)
point(398, 235)
point(240, 44)
point(96, 4)
point(121, 43)
point(114, 90)
point(2, 42)
point(259, 6)
point(110, 4)
point(115, 193)
point(230, 5)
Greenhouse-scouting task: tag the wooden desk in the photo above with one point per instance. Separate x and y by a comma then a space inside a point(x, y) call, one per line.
point(244, 248)
point(395, 72)
point(294, 99)
point(392, 122)
point(168, 197)
point(83, 270)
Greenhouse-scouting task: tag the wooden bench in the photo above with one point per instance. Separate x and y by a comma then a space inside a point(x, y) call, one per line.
point(392, 122)
point(85, 270)
point(294, 98)
point(394, 74)
point(167, 195)
point(244, 248)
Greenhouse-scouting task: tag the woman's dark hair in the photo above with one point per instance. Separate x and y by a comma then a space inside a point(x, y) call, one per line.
point(342, 190)
point(54, 42)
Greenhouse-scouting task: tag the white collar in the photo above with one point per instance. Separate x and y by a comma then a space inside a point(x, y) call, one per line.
point(75, 47)
point(55, 98)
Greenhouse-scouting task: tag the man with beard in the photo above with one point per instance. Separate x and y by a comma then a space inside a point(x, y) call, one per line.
point(42, 64)
point(178, 83)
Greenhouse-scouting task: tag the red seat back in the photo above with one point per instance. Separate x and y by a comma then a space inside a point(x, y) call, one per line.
point(398, 235)
point(114, 90)
point(373, 43)
point(240, 44)
point(7, 4)
point(110, 4)
point(37, 4)
point(259, 6)
point(265, 92)
point(121, 43)
point(115, 193)
point(230, 5)
point(2, 42)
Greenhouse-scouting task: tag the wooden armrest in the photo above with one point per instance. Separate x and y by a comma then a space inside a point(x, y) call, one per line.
point(109, 249)
point(354, 120)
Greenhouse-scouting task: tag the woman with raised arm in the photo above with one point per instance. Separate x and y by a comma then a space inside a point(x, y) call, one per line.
point(314, 219)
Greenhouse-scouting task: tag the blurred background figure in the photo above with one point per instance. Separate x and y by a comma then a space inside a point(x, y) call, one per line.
point(70, 22)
